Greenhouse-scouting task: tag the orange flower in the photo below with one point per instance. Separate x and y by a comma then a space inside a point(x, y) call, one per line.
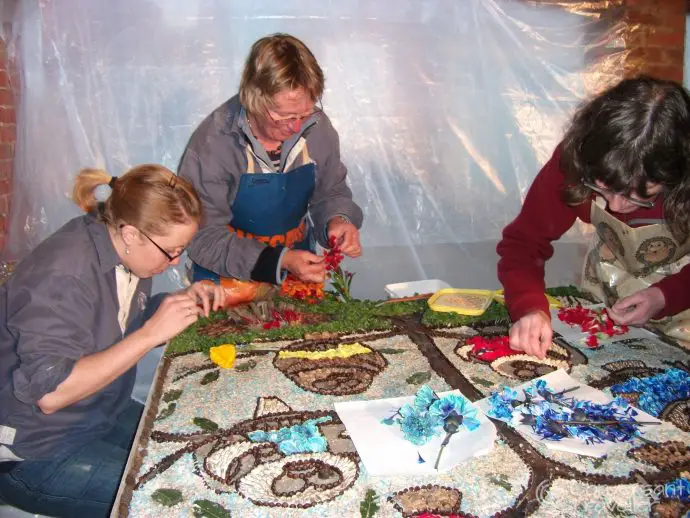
point(296, 289)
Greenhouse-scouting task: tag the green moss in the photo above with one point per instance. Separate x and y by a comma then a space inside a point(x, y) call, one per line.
point(345, 317)
point(495, 312)
point(348, 317)
point(570, 291)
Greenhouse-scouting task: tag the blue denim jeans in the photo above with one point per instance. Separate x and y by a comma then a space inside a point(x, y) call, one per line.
point(80, 484)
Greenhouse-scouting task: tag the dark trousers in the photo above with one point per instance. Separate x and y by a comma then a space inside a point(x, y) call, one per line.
point(81, 484)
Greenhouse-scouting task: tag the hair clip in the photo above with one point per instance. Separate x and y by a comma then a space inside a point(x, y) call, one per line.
point(112, 181)
point(173, 181)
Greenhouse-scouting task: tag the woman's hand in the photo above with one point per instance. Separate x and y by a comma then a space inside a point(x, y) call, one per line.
point(307, 267)
point(174, 315)
point(638, 308)
point(532, 334)
point(346, 236)
point(210, 296)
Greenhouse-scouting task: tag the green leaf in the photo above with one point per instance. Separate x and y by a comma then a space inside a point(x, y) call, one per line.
point(172, 395)
point(618, 511)
point(167, 411)
point(210, 377)
point(205, 424)
point(167, 497)
point(387, 350)
point(482, 382)
point(244, 367)
point(418, 378)
point(369, 506)
point(501, 481)
point(208, 509)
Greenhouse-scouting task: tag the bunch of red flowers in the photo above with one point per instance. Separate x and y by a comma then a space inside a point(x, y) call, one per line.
point(334, 256)
point(489, 349)
point(282, 318)
point(597, 323)
point(340, 279)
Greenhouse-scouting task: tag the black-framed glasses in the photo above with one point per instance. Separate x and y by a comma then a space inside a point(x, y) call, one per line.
point(167, 255)
point(287, 121)
point(647, 204)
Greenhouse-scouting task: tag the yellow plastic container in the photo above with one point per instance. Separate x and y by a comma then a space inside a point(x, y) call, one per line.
point(462, 301)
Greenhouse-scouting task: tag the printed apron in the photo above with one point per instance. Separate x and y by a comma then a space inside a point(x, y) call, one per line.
point(271, 208)
point(622, 260)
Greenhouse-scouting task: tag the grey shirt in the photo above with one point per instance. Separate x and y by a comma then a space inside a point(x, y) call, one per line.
point(61, 304)
point(218, 154)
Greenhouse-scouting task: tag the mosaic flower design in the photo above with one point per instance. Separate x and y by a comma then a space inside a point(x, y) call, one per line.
point(324, 368)
point(496, 351)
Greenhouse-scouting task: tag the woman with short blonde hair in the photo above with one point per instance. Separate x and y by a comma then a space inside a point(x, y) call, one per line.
point(267, 166)
point(276, 63)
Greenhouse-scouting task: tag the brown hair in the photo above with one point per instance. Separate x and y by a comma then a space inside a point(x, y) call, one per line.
point(149, 197)
point(276, 63)
point(634, 133)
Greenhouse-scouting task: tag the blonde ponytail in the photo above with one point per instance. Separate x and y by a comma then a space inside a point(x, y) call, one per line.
point(85, 185)
point(149, 196)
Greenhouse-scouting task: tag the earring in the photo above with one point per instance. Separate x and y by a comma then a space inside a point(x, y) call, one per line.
point(126, 251)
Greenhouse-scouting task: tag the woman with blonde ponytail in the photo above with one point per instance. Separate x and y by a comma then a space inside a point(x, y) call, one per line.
point(74, 321)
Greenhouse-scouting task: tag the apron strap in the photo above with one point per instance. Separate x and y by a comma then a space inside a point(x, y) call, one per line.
point(305, 154)
point(250, 161)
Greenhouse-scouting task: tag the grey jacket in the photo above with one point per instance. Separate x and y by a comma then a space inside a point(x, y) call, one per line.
point(61, 304)
point(218, 154)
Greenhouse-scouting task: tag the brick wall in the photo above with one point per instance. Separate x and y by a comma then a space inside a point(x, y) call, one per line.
point(656, 38)
point(8, 137)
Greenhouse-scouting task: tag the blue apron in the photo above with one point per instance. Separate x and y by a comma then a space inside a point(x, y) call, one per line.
point(271, 208)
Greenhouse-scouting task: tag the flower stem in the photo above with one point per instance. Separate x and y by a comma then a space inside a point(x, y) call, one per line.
point(443, 446)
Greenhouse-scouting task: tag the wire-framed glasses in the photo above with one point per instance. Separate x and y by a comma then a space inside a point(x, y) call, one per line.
point(647, 204)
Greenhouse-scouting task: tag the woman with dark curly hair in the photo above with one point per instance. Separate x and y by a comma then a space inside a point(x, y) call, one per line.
point(624, 166)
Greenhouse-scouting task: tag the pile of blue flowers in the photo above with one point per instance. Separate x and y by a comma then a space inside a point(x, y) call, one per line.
point(657, 391)
point(300, 438)
point(554, 416)
point(429, 415)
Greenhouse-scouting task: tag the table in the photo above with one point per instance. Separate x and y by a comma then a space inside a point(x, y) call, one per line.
point(192, 453)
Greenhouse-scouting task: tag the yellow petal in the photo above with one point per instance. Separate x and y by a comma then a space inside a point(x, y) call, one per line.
point(224, 355)
point(342, 351)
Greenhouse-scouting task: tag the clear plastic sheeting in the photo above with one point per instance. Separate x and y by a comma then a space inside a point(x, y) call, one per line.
point(446, 109)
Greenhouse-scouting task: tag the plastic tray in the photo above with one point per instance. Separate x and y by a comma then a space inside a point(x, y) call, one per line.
point(409, 289)
point(465, 302)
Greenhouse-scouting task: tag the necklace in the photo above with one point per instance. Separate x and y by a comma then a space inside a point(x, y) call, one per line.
point(277, 148)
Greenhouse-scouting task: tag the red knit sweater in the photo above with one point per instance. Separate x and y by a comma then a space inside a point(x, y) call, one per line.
point(526, 245)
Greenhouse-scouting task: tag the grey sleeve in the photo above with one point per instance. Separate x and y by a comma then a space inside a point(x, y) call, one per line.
point(52, 325)
point(332, 196)
point(214, 247)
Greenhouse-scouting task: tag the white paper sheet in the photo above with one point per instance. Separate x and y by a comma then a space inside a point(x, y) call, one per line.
point(384, 451)
point(560, 380)
point(576, 336)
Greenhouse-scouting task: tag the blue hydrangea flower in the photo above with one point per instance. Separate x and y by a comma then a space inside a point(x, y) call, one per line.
point(418, 427)
point(500, 403)
point(424, 398)
point(299, 438)
point(458, 404)
point(656, 392)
